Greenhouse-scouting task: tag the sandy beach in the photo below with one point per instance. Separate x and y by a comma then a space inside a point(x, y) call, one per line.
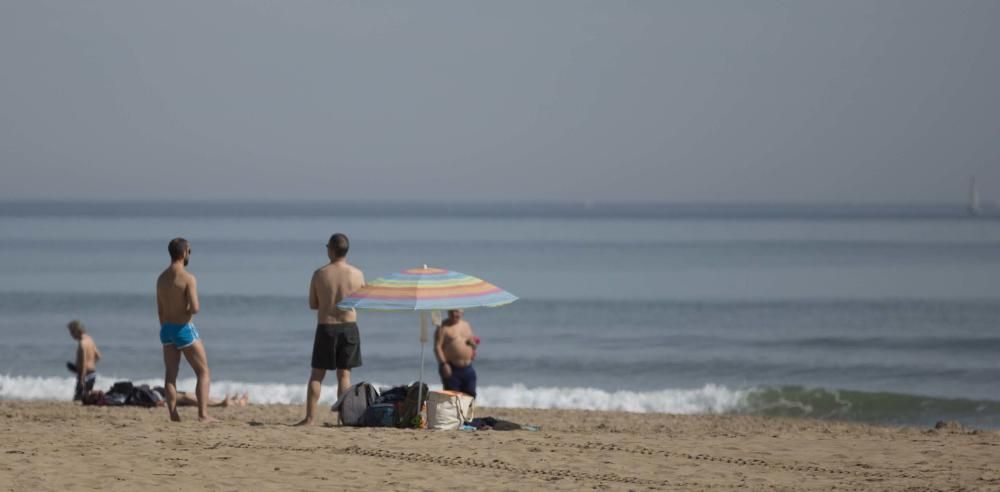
point(58, 446)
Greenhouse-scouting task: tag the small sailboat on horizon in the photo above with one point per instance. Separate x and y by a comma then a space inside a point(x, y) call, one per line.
point(974, 207)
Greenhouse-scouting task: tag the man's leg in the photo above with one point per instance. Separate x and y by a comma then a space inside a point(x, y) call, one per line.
point(343, 381)
point(470, 382)
point(172, 363)
point(196, 357)
point(452, 382)
point(312, 395)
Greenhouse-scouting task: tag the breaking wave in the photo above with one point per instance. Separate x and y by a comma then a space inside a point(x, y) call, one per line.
point(785, 401)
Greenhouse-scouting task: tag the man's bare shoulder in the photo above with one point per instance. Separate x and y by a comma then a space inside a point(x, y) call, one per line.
point(322, 272)
point(356, 274)
point(171, 278)
point(339, 269)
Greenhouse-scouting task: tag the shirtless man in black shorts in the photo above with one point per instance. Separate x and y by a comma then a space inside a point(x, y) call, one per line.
point(337, 345)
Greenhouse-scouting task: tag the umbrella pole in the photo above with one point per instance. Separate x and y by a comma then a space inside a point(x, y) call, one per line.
point(423, 343)
point(420, 388)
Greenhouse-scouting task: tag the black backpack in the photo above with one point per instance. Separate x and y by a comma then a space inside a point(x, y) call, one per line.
point(118, 394)
point(121, 388)
point(143, 396)
point(409, 413)
point(396, 394)
point(352, 405)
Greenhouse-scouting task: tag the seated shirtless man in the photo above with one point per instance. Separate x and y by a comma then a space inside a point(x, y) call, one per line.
point(177, 303)
point(455, 348)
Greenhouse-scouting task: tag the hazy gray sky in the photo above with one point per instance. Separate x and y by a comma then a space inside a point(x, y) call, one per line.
point(675, 101)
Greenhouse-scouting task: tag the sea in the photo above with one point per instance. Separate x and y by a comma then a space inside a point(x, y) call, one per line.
point(880, 314)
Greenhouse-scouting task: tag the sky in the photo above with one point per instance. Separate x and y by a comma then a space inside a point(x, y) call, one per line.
point(836, 101)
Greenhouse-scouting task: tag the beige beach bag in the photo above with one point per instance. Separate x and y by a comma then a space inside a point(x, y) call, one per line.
point(449, 409)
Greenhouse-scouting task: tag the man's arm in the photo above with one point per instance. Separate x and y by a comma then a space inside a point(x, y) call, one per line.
point(443, 366)
point(81, 371)
point(473, 340)
point(159, 304)
point(313, 296)
point(192, 294)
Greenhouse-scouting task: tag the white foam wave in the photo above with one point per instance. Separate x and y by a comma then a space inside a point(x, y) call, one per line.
point(61, 389)
point(707, 399)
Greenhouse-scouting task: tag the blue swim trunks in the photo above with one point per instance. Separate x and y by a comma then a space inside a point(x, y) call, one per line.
point(462, 379)
point(180, 336)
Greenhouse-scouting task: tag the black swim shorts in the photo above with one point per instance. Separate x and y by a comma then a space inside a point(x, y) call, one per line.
point(337, 347)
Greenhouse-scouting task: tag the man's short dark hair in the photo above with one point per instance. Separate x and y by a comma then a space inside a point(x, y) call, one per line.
point(339, 244)
point(178, 247)
point(77, 326)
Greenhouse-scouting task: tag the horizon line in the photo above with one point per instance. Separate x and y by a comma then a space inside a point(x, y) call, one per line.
point(493, 202)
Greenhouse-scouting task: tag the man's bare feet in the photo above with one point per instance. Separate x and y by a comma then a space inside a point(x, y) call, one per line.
point(175, 416)
point(305, 421)
point(207, 420)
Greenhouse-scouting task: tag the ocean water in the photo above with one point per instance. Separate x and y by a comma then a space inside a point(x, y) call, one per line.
point(876, 314)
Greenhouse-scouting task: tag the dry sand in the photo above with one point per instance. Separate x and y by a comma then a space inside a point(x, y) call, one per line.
point(57, 446)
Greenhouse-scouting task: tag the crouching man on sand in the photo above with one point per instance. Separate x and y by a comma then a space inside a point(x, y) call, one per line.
point(177, 303)
point(87, 356)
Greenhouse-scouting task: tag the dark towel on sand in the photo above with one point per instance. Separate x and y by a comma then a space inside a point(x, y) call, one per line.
point(493, 423)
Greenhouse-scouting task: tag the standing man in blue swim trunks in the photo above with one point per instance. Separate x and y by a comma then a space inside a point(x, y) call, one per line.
point(177, 303)
point(337, 345)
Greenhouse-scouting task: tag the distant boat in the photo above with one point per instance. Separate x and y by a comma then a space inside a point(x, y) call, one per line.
point(975, 209)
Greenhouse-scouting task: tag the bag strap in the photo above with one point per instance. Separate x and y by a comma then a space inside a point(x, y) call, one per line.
point(461, 414)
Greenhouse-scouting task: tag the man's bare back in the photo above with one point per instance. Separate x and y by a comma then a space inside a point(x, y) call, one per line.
point(176, 295)
point(331, 284)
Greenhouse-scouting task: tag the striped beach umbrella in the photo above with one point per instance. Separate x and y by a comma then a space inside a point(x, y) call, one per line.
point(426, 289)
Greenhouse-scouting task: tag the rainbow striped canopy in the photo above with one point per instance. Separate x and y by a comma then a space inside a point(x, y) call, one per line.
point(425, 288)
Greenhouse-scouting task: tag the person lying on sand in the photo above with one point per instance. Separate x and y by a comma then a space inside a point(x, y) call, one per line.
point(124, 393)
point(185, 399)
